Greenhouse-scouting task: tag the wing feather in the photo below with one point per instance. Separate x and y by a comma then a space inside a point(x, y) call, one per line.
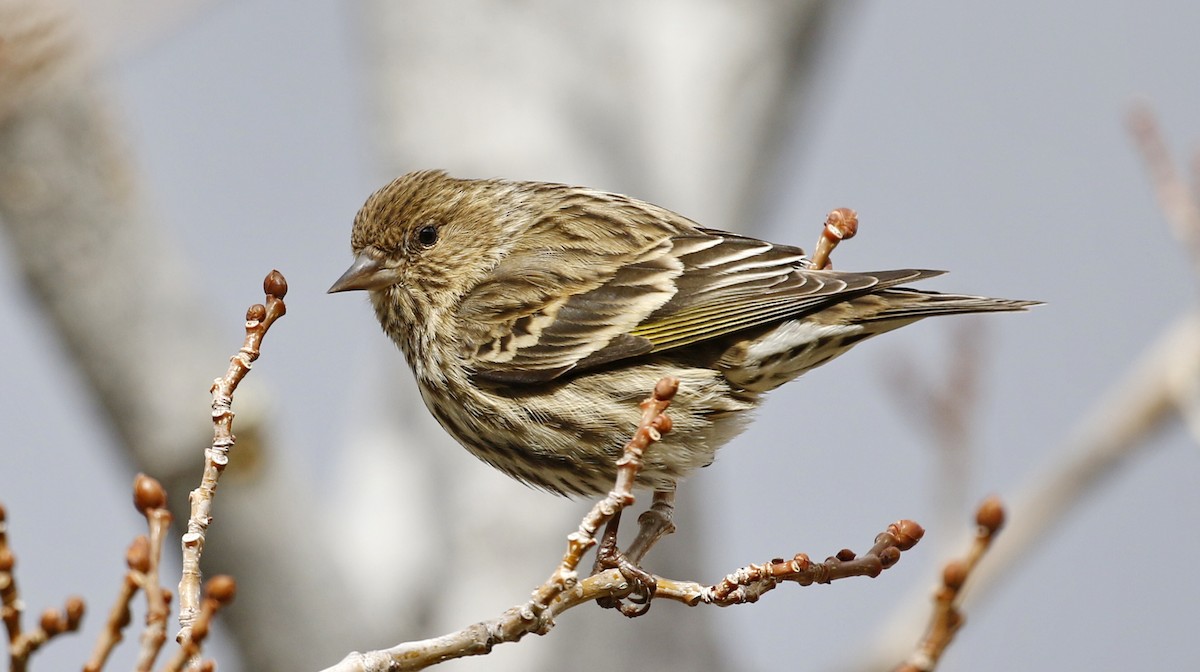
point(653, 282)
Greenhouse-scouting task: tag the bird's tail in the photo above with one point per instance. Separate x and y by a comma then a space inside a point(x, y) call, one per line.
point(913, 304)
point(796, 346)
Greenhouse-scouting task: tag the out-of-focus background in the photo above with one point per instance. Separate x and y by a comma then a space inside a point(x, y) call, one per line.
point(216, 140)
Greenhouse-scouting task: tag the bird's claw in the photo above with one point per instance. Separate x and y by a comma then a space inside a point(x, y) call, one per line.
point(608, 556)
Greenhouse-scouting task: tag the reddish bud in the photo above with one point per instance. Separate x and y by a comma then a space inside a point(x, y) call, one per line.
point(256, 313)
point(841, 223)
point(275, 285)
point(954, 575)
point(75, 611)
point(7, 560)
point(222, 588)
point(3, 513)
point(662, 422)
point(148, 494)
point(889, 556)
point(51, 622)
point(200, 629)
point(666, 388)
point(845, 555)
point(138, 555)
point(908, 533)
point(990, 515)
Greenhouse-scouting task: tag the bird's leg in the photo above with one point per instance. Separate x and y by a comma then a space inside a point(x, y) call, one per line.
point(609, 556)
point(655, 523)
point(653, 425)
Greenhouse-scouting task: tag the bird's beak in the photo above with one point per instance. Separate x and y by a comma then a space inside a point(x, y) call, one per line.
point(368, 272)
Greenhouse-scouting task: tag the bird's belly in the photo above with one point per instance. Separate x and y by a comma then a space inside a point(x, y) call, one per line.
point(567, 437)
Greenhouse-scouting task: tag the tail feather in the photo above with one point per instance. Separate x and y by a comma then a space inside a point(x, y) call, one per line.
point(910, 304)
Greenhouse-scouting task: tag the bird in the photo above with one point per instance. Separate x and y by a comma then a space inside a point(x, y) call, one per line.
point(535, 316)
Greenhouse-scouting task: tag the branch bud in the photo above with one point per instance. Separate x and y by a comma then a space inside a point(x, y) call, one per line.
point(138, 555)
point(666, 388)
point(148, 494)
point(75, 610)
point(990, 515)
point(222, 588)
point(275, 285)
point(954, 575)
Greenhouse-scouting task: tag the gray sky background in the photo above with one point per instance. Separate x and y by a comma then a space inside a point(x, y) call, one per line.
point(982, 138)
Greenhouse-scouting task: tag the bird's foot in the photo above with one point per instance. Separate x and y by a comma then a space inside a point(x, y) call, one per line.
point(644, 584)
point(609, 556)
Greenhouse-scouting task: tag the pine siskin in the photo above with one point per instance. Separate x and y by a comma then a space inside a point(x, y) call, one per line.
point(535, 316)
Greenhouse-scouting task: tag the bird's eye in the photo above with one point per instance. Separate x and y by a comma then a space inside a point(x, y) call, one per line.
point(427, 235)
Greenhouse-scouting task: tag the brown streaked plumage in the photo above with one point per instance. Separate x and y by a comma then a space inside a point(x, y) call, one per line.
point(535, 316)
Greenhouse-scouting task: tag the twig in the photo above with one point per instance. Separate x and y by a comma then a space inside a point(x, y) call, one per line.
point(1181, 208)
point(219, 591)
point(945, 409)
point(947, 616)
point(259, 319)
point(1178, 202)
point(52, 623)
point(22, 643)
point(650, 429)
point(10, 598)
point(151, 500)
point(137, 558)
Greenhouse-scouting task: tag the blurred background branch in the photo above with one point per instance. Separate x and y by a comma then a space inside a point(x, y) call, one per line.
point(1159, 388)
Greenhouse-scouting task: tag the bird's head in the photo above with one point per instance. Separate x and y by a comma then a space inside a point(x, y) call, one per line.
point(426, 239)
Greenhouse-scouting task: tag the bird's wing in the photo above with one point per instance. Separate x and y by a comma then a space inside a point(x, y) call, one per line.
point(543, 313)
point(739, 283)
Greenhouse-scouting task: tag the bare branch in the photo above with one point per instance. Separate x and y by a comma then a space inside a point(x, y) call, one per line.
point(22, 643)
point(942, 405)
point(151, 500)
point(947, 616)
point(137, 558)
point(219, 591)
point(1178, 202)
point(11, 605)
point(742, 586)
point(259, 319)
